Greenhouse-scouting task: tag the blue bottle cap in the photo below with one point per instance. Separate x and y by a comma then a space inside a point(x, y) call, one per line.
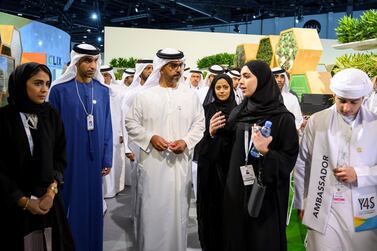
point(267, 124)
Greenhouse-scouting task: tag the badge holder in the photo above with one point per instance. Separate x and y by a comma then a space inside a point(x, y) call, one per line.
point(90, 122)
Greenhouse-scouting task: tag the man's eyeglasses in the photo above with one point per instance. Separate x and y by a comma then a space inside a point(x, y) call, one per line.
point(175, 66)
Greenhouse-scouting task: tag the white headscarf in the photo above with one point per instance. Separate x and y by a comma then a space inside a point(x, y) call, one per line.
point(139, 68)
point(188, 79)
point(234, 74)
point(213, 70)
point(106, 68)
point(127, 73)
point(351, 84)
point(71, 71)
point(154, 78)
point(278, 71)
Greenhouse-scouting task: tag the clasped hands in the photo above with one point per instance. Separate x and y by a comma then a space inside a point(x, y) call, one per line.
point(160, 144)
point(40, 205)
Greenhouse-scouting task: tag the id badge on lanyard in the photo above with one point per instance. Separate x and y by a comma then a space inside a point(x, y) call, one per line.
point(90, 122)
point(247, 171)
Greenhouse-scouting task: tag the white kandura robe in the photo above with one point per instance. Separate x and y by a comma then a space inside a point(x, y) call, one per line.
point(238, 95)
point(292, 104)
point(371, 102)
point(113, 183)
point(164, 178)
point(326, 135)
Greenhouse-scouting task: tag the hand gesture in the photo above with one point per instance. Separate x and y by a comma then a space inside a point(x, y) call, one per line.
point(178, 146)
point(345, 174)
point(159, 143)
point(217, 121)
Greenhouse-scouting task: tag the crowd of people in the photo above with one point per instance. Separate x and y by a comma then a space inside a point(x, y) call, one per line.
point(164, 130)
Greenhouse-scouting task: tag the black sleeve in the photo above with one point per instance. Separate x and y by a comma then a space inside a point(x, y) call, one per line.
point(9, 189)
point(281, 158)
point(60, 158)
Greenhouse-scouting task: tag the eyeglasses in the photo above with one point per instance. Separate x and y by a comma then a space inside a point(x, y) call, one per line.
point(175, 66)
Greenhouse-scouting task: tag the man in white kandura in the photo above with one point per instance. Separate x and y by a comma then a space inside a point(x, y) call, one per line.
point(290, 100)
point(336, 179)
point(114, 182)
point(236, 76)
point(127, 78)
point(166, 120)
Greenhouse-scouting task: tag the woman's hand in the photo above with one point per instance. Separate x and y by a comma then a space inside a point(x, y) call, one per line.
point(46, 201)
point(260, 142)
point(217, 121)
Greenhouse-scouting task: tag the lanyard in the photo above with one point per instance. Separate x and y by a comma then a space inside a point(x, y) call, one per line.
point(82, 103)
point(248, 145)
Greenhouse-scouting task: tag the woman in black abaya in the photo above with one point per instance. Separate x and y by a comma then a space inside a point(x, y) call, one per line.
point(32, 161)
point(213, 163)
point(279, 152)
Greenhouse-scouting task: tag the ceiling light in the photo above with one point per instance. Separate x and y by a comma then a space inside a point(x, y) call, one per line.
point(94, 16)
point(88, 30)
point(99, 39)
point(85, 36)
point(19, 14)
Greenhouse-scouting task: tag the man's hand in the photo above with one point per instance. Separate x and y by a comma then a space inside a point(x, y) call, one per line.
point(105, 171)
point(345, 174)
point(159, 143)
point(178, 146)
point(300, 214)
point(131, 156)
point(217, 121)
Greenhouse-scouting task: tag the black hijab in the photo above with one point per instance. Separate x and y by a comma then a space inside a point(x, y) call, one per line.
point(225, 106)
point(18, 97)
point(266, 101)
point(43, 136)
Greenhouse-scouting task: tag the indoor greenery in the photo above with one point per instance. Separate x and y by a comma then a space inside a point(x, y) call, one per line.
point(352, 29)
point(286, 50)
point(240, 57)
point(121, 64)
point(366, 62)
point(265, 50)
point(219, 59)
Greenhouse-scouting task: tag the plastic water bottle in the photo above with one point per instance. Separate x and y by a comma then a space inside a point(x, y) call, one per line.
point(265, 131)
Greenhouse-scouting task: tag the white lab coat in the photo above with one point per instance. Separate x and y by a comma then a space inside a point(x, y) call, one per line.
point(316, 184)
point(164, 178)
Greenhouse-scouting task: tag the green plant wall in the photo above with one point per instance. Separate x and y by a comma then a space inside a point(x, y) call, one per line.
point(366, 62)
point(351, 29)
point(219, 59)
point(265, 50)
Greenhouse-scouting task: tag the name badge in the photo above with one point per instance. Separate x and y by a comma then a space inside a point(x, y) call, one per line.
point(248, 174)
point(90, 122)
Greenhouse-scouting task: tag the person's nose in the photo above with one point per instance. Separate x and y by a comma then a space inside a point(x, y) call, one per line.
point(44, 88)
point(347, 107)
